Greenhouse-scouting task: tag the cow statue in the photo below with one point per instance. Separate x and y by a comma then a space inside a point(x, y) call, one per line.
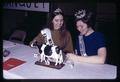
point(48, 52)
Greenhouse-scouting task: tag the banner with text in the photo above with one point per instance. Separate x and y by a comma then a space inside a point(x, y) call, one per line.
point(43, 7)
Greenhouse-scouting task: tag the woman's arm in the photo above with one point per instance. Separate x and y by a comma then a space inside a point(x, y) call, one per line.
point(38, 38)
point(99, 58)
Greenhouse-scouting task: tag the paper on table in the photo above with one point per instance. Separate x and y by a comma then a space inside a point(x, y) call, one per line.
point(11, 63)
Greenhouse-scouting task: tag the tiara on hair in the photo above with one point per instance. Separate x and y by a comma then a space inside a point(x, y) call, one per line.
point(58, 10)
point(80, 14)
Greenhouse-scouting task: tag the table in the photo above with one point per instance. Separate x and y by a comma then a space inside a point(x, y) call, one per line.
point(29, 70)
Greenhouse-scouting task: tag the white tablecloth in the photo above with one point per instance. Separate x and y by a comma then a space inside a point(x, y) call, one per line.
point(29, 70)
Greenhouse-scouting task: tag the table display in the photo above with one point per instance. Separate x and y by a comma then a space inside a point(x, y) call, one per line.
point(29, 70)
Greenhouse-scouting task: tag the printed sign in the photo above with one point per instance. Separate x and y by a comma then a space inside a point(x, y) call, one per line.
point(43, 7)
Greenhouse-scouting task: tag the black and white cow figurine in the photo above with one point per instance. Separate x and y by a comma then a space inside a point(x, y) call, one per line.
point(50, 53)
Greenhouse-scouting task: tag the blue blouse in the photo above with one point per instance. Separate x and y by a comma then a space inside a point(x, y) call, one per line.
point(92, 42)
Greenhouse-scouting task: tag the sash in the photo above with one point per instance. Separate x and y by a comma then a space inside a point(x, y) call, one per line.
point(82, 45)
point(47, 36)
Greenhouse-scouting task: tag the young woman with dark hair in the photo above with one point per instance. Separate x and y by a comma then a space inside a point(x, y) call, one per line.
point(61, 37)
point(90, 45)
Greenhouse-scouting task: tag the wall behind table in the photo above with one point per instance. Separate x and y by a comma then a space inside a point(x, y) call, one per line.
point(106, 22)
point(10, 19)
point(29, 21)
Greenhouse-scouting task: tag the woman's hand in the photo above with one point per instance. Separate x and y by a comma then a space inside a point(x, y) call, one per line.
point(33, 43)
point(72, 56)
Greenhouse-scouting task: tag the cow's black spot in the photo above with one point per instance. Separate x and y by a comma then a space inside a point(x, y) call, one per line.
point(48, 50)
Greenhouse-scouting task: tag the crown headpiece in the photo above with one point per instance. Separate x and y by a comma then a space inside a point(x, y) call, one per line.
point(80, 14)
point(58, 10)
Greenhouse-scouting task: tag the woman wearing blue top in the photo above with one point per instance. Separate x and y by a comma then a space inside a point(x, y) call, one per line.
point(90, 45)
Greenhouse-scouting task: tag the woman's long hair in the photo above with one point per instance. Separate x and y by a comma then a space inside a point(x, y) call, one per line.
point(62, 29)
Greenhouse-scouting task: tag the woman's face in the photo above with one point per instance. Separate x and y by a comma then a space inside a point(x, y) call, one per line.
point(57, 21)
point(82, 27)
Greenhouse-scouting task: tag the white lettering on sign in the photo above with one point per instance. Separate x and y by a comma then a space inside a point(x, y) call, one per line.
point(43, 7)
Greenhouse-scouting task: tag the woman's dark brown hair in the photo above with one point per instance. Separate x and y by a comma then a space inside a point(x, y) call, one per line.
point(62, 29)
point(87, 18)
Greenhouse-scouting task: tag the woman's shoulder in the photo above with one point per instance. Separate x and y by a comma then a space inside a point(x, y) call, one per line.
point(97, 34)
point(42, 31)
